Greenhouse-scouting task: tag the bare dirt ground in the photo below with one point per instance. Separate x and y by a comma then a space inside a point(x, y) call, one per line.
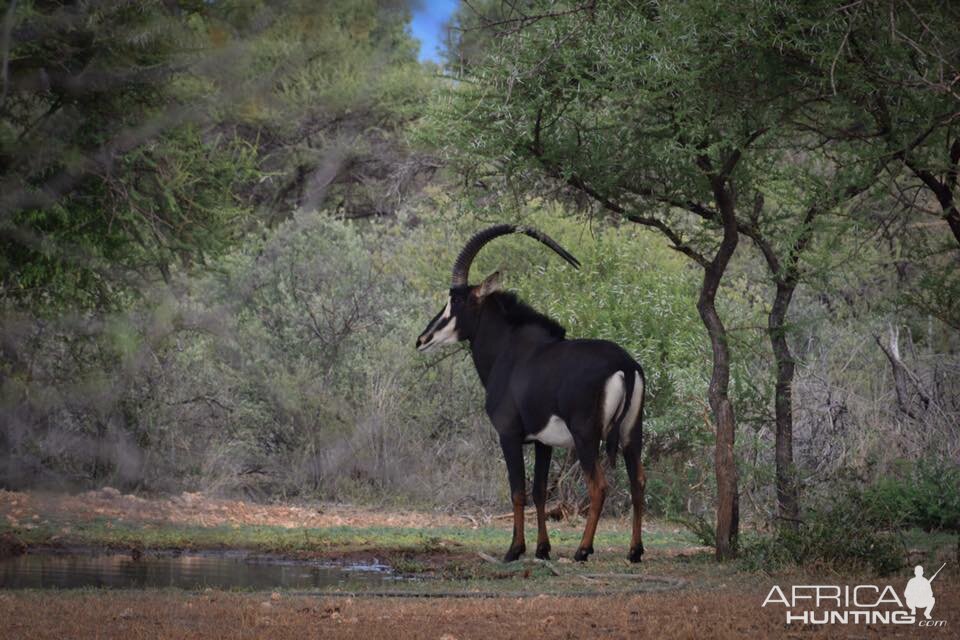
point(714, 603)
point(20, 508)
point(691, 614)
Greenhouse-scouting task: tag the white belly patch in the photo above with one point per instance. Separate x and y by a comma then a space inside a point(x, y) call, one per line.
point(555, 434)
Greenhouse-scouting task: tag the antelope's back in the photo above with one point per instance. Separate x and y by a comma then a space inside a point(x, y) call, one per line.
point(568, 379)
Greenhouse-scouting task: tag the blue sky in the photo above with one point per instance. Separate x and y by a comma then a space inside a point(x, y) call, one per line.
point(429, 17)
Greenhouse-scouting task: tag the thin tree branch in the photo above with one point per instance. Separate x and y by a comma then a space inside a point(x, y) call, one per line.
point(523, 20)
point(5, 47)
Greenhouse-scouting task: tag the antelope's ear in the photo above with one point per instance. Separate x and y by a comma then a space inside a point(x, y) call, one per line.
point(490, 284)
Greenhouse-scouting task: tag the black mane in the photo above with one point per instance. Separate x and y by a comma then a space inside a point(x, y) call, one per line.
point(518, 313)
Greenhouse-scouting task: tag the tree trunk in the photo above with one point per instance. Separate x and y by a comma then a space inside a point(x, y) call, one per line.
point(787, 485)
point(943, 189)
point(952, 216)
point(950, 212)
point(902, 376)
point(728, 507)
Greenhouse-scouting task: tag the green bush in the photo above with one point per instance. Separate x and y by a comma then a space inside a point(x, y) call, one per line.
point(861, 527)
point(925, 494)
point(705, 529)
point(837, 536)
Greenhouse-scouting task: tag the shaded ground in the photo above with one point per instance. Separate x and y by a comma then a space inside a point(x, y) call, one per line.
point(444, 555)
point(697, 614)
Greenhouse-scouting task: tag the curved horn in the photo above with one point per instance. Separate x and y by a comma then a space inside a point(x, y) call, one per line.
point(461, 268)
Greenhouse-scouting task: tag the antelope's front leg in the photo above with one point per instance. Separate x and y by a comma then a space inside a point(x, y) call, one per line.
point(541, 469)
point(513, 454)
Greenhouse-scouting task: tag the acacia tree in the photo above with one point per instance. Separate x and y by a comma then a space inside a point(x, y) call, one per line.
point(894, 76)
point(104, 178)
point(141, 137)
point(142, 140)
point(898, 70)
point(690, 119)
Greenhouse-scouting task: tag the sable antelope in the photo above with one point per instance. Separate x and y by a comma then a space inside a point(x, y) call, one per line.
point(544, 389)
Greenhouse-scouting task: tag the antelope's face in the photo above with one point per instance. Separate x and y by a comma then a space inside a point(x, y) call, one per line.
point(446, 327)
point(458, 319)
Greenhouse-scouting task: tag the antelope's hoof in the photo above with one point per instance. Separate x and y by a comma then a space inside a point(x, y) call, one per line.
point(543, 551)
point(515, 552)
point(636, 553)
point(582, 554)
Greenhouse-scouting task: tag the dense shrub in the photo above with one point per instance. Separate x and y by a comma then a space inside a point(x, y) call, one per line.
point(835, 536)
point(860, 527)
point(839, 545)
point(291, 371)
point(920, 494)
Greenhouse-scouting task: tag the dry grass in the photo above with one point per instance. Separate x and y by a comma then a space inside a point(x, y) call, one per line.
point(729, 613)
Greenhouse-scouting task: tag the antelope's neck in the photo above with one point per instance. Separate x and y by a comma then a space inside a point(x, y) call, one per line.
point(497, 341)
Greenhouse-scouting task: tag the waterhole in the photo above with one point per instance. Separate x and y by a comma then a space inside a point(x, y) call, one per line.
point(54, 569)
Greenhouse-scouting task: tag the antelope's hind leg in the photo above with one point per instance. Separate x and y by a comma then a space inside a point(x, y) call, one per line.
point(513, 454)
point(638, 483)
point(597, 487)
point(541, 470)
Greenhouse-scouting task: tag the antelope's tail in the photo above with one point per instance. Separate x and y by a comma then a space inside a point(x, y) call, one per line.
point(613, 434)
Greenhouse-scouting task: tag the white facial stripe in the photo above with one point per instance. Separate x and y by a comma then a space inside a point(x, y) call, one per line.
point(445, 335)
point(443, 317)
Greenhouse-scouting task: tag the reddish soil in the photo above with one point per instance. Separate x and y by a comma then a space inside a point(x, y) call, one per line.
point(22, 508)
point(729, 608)
point(693, 614)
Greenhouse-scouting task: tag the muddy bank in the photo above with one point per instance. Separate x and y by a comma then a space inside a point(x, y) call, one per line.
point(11, 546)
